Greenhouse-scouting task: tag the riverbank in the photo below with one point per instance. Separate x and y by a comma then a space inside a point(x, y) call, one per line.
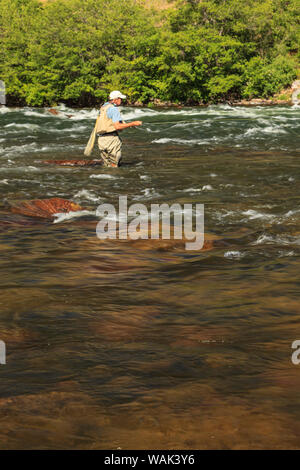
point(287, 96)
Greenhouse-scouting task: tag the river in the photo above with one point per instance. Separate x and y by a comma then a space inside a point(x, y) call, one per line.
point(131, 345)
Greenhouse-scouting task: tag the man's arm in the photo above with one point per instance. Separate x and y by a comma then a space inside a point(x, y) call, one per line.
point(114, 114)
point(122, 125)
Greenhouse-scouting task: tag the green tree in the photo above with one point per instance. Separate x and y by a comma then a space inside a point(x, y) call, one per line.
point(16, 23)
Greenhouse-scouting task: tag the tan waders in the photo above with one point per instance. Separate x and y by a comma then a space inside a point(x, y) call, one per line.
point(110, 149)
point(109, 142)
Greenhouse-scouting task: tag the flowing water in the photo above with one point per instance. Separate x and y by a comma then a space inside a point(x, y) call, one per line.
point(137, 345)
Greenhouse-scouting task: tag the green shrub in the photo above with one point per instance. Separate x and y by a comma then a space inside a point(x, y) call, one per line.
point(263, 79)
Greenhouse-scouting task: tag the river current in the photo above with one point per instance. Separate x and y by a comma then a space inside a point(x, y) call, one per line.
point(138, 345)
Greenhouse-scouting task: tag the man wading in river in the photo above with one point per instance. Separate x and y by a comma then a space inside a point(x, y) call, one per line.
point(108, 125)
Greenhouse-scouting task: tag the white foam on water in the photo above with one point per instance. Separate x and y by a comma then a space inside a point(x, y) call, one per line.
point(252, 214)
point(56, 147)
point(194, 125)
point(45, 148)
point(63, 113)
point(206, 187)
point(62, 216)
point(164, 140)
point(62, 107)
point(21, 169)
point(74, 114)
point(277, 240)
point(183, 112)
point(254, 131)
point(42, 114)
point(213, 175)
point(19, 149)
point(32, 127)
point(26, 181)
point(4, 110)
point(148, 193)
point(73, 136)
point(251, 131)
point(167, 140)
point(283, 254)
point(267, 206)
point(273, 130)
point(144, 177)
point(75, 129)
point(81, 115)
point(262, 121)
point(225, 110)
point(222, 215)
point(134, 113)
point(86, 195)
point(264, 239)
point(5, 181)
point(234, 254)
point(191, 190)
point(103, 176)
point(291, 213)
point(282, 118)
point(31, 168)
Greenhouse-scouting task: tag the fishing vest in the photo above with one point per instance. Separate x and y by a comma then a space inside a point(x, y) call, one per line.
point(105, 125)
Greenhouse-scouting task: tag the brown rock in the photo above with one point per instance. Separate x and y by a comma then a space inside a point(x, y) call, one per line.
point(44, 208)
point(53, 111)
point(74, 162)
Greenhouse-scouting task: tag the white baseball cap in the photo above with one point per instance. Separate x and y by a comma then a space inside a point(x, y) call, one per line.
point(116, 94)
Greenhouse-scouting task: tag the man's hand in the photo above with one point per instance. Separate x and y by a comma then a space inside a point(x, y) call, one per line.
point(137, 123)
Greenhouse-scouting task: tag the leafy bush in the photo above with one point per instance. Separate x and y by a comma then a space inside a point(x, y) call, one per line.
point(263, 79)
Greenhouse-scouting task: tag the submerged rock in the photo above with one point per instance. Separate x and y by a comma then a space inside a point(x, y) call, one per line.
point(74, 162)
point(44, 208)
point(209, 243)
point(53, 111)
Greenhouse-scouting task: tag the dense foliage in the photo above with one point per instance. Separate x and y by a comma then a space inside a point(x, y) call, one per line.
point(202, 51)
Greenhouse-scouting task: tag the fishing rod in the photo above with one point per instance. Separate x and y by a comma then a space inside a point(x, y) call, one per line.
point(169, 122)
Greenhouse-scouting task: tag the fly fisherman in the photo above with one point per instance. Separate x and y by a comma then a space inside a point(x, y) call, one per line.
point(108, 125)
